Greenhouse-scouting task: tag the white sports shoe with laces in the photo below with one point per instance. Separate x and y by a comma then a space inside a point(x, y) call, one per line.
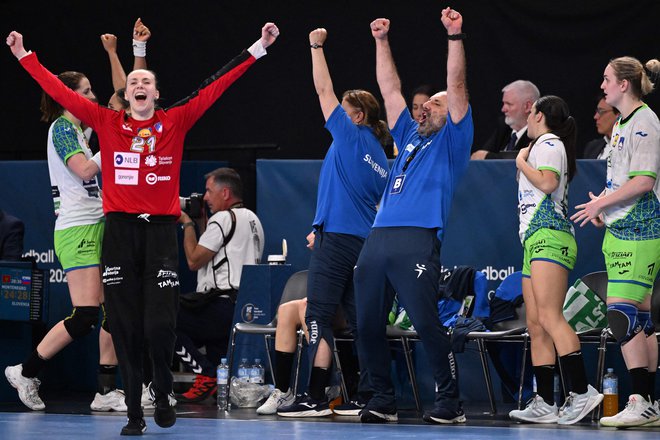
point(537, 411)
point(148, 397)
point(577, 406)
point(28, 387)
point(638, 412)
point(277, 399)
point(112, 401)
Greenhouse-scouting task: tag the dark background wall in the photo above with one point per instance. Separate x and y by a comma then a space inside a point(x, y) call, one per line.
point(562, 46)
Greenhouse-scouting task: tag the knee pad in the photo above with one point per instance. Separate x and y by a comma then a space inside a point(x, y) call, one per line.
point(104, 319)
point(82, 321)
point(646, 322)
point(623, 321)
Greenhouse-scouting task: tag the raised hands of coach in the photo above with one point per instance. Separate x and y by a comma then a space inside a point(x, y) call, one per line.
point(318, 36)
point(379, 28)
point(452, 20)
point(269, 34)
point(15, 43)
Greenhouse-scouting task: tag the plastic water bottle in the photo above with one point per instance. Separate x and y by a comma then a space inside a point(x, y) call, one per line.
point(244, 371)
point(257, 372)
point(611, 392)
point(223, 379)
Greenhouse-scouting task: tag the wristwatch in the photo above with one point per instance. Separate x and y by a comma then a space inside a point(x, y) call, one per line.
point(185, 225)
point(315, 45)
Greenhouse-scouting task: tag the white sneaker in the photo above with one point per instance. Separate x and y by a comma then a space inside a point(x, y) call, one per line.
point(149, 398)
point(656, 423)
point(112, 401)
point(577, 406)
point(537, 411)
point(276, 400)
point(28, 388)
point(146, 400)
point(638, 412)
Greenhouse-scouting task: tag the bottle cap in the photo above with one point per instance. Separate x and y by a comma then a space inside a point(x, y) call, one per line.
point(223, 360)
point(257, 360)
point(610, 370)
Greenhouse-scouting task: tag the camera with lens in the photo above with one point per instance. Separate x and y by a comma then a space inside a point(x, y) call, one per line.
point(192, 205)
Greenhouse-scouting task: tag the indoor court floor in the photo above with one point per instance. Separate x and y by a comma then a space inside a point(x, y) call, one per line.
point(72, 419)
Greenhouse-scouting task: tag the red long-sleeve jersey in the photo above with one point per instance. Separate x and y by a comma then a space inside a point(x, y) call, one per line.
point(141, 159)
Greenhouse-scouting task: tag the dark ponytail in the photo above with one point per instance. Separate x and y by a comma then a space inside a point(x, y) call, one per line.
point(561, 123)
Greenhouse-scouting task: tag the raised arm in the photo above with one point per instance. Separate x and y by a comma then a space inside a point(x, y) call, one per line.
point(109, 42)
point(88, 112)
point(321, 74)
point(386, 74)
point(457, 95)
point(141, 35)
point(190, 109)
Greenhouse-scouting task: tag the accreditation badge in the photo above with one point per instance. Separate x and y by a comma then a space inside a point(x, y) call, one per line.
point(397, 184)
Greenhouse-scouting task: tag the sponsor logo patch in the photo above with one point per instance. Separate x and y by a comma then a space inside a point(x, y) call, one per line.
point(126, 177)
point(127, 160)
point(153, 178)
point(150, 160)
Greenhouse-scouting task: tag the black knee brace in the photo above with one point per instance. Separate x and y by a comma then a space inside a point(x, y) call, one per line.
point(82, 321)
point(104, 319)
point(623, 322)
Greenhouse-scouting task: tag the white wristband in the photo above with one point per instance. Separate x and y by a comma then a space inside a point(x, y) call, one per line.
point(97, 159)
point(257, 50)
point(139, 48)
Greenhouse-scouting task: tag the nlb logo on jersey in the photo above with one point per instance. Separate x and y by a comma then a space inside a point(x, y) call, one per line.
point(126, 177)
point(153, 178)
point(127, 160)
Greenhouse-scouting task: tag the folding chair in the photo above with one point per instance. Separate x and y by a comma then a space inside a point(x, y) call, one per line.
point(295, 288)
point(512, 330)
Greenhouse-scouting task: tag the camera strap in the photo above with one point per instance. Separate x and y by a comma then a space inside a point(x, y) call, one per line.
point(225, 240)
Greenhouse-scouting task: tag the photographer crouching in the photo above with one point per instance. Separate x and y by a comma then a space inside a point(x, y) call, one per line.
point(230, 238)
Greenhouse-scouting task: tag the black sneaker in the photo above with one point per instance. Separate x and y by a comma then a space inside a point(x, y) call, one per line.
point(378, 415)
point(165, 414)
point(351, 408)
point(305, 406)
point(134, 427)
point(443, 415)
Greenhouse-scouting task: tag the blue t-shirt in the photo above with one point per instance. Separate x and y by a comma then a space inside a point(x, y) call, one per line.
point(353, 177)
point(421, 195)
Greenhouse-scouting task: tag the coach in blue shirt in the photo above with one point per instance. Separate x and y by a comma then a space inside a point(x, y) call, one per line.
point(402, 252)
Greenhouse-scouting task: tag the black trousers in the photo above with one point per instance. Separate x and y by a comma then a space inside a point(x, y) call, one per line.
point(141, 285)
point(209, 326)
point(405, 260)
point(329, 285)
